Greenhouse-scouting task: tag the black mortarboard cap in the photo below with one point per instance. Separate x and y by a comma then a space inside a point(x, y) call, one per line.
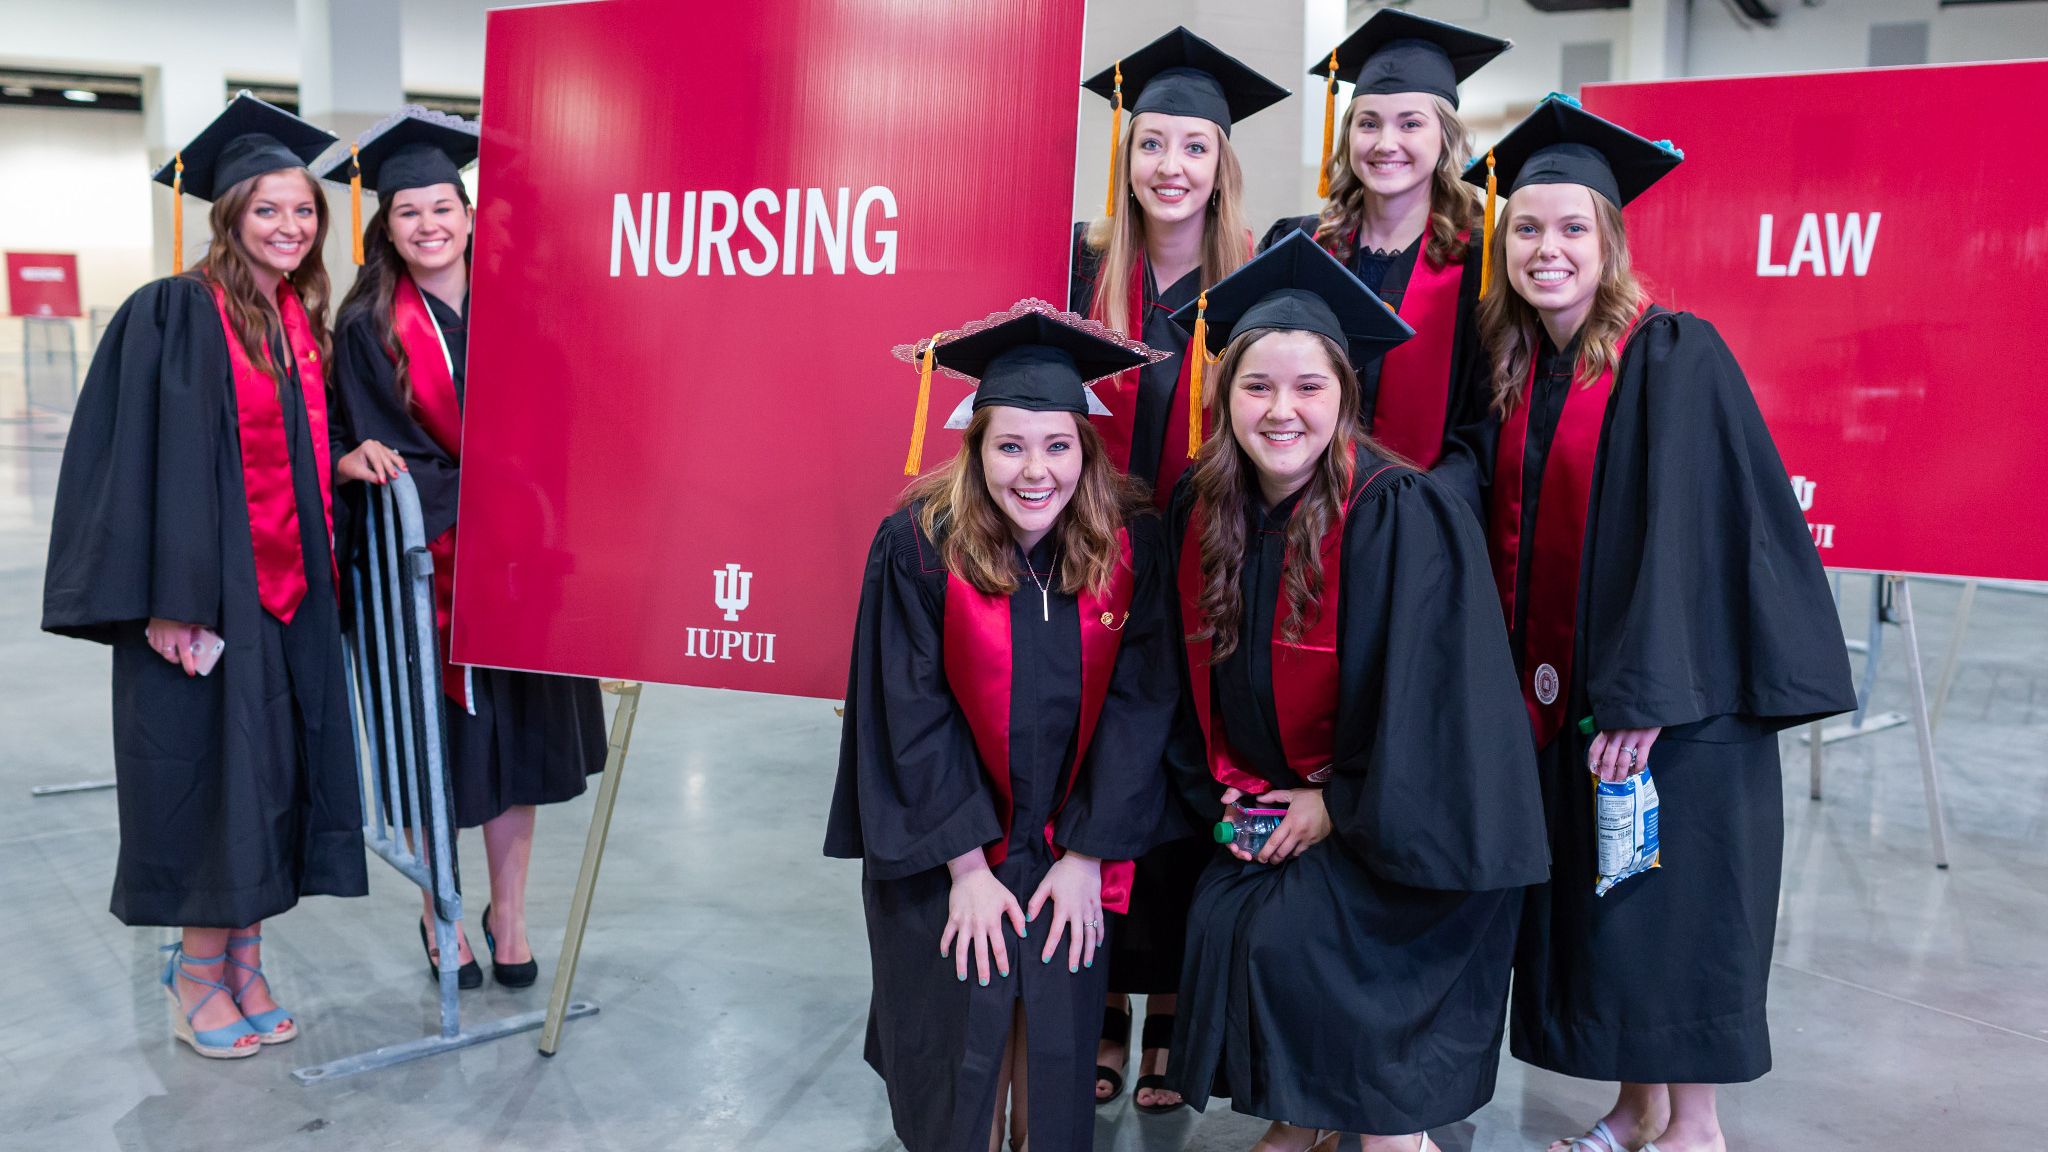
point(1181, 74)
point(413, 148)
point(1562, 143)
point(1401, 52)
point(1030, 356)
point(1296, 286)
point(248, 138)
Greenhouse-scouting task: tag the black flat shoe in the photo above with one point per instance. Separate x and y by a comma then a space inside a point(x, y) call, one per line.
point(510, 975)
point(470, 975)
point(1116, 1025)
point(1158, 1034)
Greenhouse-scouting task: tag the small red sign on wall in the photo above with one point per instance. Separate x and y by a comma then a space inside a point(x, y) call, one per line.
point(42, 284)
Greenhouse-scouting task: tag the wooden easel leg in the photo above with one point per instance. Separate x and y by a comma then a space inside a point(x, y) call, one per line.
point(628, 693)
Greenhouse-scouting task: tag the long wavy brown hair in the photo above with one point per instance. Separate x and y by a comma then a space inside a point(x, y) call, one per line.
point(1225, 478)
point(376, 289)
point(974, 536)
point(1513, 330)
point(1453, 204)
point(1119, 240)
point(229, 264)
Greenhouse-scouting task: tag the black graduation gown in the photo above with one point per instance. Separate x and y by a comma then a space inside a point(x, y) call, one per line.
point(1156, 382)
point(1710, 618)
point(1387, 275)
point(533, 738)
point(911, 795)
point(1148, 946)
point(1362, 986)
point(237, 791)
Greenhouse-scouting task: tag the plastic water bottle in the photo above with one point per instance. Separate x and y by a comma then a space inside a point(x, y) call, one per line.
point(1251, 833)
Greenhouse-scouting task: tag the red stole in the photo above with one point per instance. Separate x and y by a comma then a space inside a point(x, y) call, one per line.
point(1560, 541)
point(978, 667)
point(439, 412)
point(1305, 674)
point(266, 460)
point(1409, 413)
point(1120, 395)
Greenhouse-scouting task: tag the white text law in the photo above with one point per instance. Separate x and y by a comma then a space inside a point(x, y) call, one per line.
point(810, 225)
point(1850, 240)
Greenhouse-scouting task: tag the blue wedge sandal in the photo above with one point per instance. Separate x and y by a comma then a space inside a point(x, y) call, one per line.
point(275, 1026)
point(223, 1043)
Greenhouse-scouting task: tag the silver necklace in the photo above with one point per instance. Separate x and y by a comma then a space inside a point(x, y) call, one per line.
point(1044, 587)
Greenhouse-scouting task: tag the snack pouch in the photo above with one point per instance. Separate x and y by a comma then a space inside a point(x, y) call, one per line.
point(1626, 817)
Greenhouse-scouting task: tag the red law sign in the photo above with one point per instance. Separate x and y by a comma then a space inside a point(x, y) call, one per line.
point(700, 229)
point(1878, 296)
point(42, 284)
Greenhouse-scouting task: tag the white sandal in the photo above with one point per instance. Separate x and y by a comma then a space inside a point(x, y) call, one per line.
point(1600, 1138)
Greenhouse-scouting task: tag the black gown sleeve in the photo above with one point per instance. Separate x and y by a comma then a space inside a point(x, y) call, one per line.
point(135, 531)
point(367, 384)
point(1118, 806)
point(910, 794)
point(1435, 781)
point(1196, 796)
point(1705, 595)
point(1285, 225)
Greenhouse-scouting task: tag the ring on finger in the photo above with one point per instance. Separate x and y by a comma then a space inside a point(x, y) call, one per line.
point(1633, 756)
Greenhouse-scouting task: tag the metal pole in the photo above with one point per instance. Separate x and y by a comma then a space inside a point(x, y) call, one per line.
point(1955, 651)
point(628, 693)
point(1921, 728)
point(1814, 744)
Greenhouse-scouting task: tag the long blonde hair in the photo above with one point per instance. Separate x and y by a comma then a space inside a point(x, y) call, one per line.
point(1119, 240)
point(1453, 204)
point(229, 264)
point(974, 537)
point(1512, 329)
point(1225, 480)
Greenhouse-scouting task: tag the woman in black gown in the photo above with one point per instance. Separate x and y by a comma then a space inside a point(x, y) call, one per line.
point(1007, 708)
point(1396, 212)
point(1663, 591)
point(1345, 659)
point(516, 740)
point(1174, 227)
point(191, 533)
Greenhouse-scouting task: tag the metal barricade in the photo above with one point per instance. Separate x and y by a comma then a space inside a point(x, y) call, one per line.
point(49, 365)
point(393, 660)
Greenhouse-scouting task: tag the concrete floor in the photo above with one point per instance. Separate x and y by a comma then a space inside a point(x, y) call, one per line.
point(1910, 1006)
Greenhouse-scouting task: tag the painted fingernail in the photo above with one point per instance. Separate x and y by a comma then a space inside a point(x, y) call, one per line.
point(984, 981)
point(1026, 930)
point(963, 978)
point(1045, 959)
point(1073, 967)
point(1090, 962)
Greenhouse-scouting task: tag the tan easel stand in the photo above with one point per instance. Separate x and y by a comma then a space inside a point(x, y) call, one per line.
point(628, 692)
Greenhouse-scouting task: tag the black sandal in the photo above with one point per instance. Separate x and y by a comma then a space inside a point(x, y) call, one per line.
point(1116, 1023)
point(1158, 1034)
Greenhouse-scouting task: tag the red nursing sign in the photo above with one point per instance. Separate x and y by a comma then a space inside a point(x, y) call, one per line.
point(1878, 295)
point(42, 284)
point(701, 228)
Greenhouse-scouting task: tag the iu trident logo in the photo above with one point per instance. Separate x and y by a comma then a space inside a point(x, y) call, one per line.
point(731, 588)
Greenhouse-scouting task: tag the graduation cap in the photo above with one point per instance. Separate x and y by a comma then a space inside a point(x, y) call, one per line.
point(249, 138)
point(414, 147)
point(1181, 74)
point(1294, 286)
point(1030, 355)
point(1562, 143)
point(1400, 52)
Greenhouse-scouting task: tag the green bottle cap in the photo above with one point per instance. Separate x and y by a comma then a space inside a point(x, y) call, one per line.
point(1586, 726)
point(1224, 832)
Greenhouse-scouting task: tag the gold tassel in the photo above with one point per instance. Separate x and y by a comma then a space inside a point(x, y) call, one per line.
point(355, 199)
point(915, 462)
point(1200, 351)
point(1116, 131)
point(1486, 233)
point(1329, 128)
point(178, 214)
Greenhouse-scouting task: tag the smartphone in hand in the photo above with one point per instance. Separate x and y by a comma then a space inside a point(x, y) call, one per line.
point(207, 647)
